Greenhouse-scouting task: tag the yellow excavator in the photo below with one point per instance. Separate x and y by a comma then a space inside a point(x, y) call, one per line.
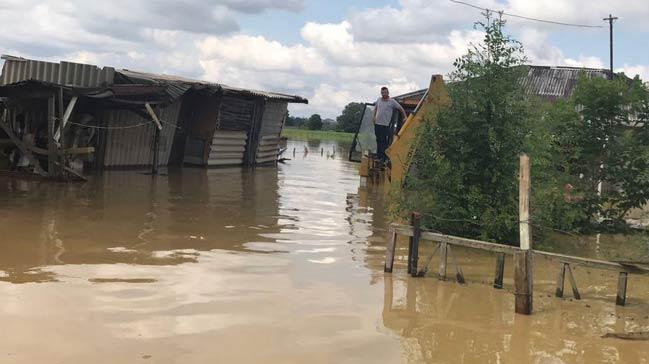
point(404, 141)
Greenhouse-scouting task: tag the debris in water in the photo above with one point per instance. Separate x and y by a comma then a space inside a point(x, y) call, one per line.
point(641, 335)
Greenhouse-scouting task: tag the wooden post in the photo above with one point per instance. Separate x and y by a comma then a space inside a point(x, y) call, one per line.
point(524, 203)
point(389, 256)
point(560, 281)
point(155, 151)
point(620, 300)
point(443, 252)
point(51, 146)
point(415, 221)
point(523, 261)
point(573, 284)
point(523, 282)
point(500, 271)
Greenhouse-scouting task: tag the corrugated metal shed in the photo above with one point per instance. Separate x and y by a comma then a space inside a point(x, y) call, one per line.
point(132, 146)
point(182, 84)
point(271, 128)
point(555, 83)
point(18, 69)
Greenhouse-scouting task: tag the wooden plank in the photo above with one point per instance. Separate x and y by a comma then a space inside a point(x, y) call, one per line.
point(508, 249)
point(415, 220)
point(588, 262)
point(573, 284)
point(524, 202)
point(153, 116)
point(66, 117)
point(227, 148)
point(523, 287)
point(469, 243)
point(500, 271)
point(459, 276)
point(51, 146)
point(561, 277)
point(620, 299)
point(21, 146)
point(443, 251)
point(389, 256)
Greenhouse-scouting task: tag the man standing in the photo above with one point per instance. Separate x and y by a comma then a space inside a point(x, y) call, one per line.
point(383, 109)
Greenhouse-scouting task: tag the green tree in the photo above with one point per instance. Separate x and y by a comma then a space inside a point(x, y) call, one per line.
point(349, 120)
point(465, 167)
point(603, 133)
point(315, 122)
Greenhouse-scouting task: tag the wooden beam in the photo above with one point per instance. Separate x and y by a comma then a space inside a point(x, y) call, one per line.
point(500, 271)
point(21, 146)
point(620, 299)
point(523, 260)
point(573, 283)
point(153, 116)
point(523, 288)
point(592, 263)
point(51, 145)
point(389, 256)
point(443, 251)
point(66, 117)
point(524, 202)
point(561, 278)
point(415, 220)
point(459, 276)
point(469, 243)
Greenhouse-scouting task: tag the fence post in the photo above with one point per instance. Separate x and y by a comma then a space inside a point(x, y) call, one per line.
point(392, 245)
point(443, 254)
point(413, 255)
point(500, 270)
point(523, 262)
point(621, 289)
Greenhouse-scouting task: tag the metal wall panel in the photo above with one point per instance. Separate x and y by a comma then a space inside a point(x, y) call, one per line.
point(132, 146)
point(227, 148)
point(65, 73)
point(271, 127)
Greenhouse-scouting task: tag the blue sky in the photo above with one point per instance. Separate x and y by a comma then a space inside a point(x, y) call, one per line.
point(331, 52)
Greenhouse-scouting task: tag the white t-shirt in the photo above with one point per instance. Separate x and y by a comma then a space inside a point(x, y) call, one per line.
point(384, 109)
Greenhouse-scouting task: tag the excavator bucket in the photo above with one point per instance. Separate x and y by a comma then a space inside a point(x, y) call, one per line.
point(403, 145)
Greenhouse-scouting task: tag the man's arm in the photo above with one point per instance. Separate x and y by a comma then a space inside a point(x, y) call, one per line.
point(401, 110)
point(374, 114)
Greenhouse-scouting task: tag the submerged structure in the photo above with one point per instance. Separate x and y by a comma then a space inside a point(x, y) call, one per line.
point(59, 119)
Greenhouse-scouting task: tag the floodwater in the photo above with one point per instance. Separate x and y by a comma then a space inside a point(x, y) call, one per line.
point(275, 265)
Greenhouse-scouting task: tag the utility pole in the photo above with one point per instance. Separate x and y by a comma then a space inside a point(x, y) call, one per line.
point(610, 20)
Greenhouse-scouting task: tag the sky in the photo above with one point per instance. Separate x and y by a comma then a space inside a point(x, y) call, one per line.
point(332, 52)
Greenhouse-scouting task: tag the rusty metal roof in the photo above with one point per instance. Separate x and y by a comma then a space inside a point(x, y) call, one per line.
point(17, 69)
point(180, 85)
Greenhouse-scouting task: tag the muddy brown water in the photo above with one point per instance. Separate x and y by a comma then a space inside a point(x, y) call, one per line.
point(275, 265)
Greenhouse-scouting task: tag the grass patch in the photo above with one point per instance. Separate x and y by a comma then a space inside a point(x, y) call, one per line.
point(305, 134)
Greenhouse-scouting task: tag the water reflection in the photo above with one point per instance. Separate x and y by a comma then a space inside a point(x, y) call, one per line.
point(273, 265)
point(443, 322)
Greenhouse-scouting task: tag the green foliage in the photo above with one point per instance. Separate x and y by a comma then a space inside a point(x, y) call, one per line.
point(603, 134)
point(464, 170)
point(314, 122)
point(466, 165)
point(349, 120)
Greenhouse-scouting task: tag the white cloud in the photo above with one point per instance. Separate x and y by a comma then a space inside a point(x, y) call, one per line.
point(332, 64)
point(632, 71)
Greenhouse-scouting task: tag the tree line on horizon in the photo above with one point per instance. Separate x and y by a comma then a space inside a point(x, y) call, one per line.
point(346, 122)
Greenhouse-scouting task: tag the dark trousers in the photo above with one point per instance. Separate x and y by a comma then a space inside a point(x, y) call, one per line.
point(382, 139)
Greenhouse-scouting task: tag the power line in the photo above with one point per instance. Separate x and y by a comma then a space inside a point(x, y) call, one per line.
point(528, 18)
